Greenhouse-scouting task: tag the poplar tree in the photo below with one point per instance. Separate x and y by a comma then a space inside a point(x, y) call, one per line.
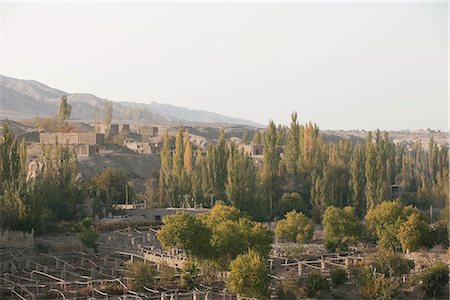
point(271, 159)
point(107, 114)
point(9, 156)
point(197, 191)
point(178, 156)
point(241, 186)
point(220, 158)
point(372, 174)
point(291, 153)
point(187, 154)
point(245, 137)
point(186, 173)
point(357, 181)
point(164, 172)
point(281, 135)
point(64, 109)
point(257, 138)
point(23, 160)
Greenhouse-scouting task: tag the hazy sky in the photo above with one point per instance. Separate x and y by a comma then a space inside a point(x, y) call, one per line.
point(341, 65)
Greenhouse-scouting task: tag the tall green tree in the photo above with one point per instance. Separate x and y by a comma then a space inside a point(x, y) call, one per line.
point(64, 109)
point(295, 227)
point(241, 186)
point(166, 168)
point(271, 159)
point(108, 113)
point(291, 153)
point(185, 231)
point(257, 139)
point(342, 226)
point(372, 171)
point(220, 155)
point(110, 186)
point(249, 277)
point(358, 180)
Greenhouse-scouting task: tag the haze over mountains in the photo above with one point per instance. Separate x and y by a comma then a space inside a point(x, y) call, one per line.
point(29, 98)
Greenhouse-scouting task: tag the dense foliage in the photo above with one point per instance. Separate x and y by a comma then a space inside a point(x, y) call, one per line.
point(309, 176)
point(64, 109)
point(396, 226)
point(248, 276)
point(49, 191)
point(88, 235)
point(434, 278)
point(295, 227)
point(342, 227)
point(338, 277)
point(314, 283)
point(391, 264)
point(218, 236)
point(140, 274)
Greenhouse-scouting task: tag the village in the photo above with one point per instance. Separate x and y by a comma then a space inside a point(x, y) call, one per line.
point(59, 266)
point(224, 150)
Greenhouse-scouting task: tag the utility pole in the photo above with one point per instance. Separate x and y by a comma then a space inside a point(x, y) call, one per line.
point(271, 214)
point(431, 213)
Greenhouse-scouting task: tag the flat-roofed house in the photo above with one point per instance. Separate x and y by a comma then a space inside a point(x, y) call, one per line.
point(148, 130)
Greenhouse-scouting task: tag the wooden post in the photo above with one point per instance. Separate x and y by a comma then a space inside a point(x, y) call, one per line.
point(322, 265)
point(300, 269)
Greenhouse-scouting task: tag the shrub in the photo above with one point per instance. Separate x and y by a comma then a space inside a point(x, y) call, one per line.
point(289, 288)
point(381, 287)
point(292, 201)
point(376, 286)
point(88, 236)
point(140, 274)
point(434, 278)
point(189, 275)
point(391, 264)
point(414, 233)
point(338, 277)
point(332, 245)
point(295, 227)
point(315, 282)
point(440, 234)
point(342, 225)
point(386, 221)
point(248, 276)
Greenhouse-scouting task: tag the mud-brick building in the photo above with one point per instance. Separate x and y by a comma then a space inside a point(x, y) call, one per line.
point(72, 138)
point(124, 127)
point(148, 130)
point(87, 150)
point(139, 147)
point(51, 138)
point(113, 129)
point(254, 150)
point(90, 138)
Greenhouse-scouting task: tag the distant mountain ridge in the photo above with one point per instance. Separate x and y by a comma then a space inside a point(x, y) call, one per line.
point(32, 98)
